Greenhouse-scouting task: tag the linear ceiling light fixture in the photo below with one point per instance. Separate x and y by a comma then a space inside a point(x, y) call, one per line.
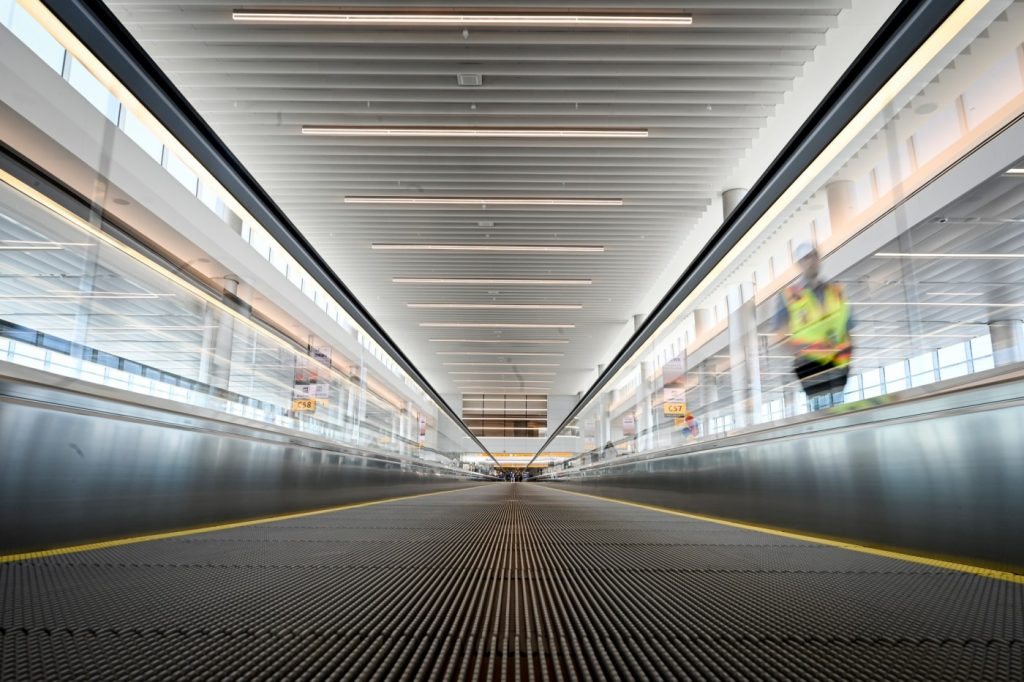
point(498, 325)
point(384, 16)
point(946, 304)
point(485, 280)
point(500, 364)
point(446, 131)
point(503, 381)
point(499, 354)
point(497, 306)
point(960, 256)
point(508, 341)
point(501, 248)
point(1015, 171)
point(482, 201)
point(77, 296)
point(506, 374)
point(523, 390)
point(30, 245)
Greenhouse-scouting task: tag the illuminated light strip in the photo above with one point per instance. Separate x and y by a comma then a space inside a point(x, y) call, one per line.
point(441, 131)
point(911, 336)
point(484, 280)
point(492, 353)
point(817, 539)
point(904, 77)
point(959, 256)
point(1015, 171)
point(522, 390)
point(503, 381)
point(35, 245)
point(506, 374)
point(500, 364)
point(79, 296)
point(108, 330)
point(511, 248)
point(941, 305)
point(520, 397)
point(496, 306)
point(498, 325)
point(509, 341)
point(483, 201)
point(483, 19)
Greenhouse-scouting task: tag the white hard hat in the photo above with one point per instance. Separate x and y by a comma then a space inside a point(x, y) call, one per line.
point(802, 250)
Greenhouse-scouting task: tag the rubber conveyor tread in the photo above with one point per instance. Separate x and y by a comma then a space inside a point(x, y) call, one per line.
point(505, 581)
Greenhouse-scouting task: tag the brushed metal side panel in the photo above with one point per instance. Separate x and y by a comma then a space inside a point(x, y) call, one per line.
point(949, 485)
point(69, 476)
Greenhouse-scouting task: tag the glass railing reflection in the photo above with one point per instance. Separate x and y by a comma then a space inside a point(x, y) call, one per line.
point(836, 300)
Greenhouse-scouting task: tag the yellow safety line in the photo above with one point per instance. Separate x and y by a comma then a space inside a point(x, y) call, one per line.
point(915, 558)
point(208, 529)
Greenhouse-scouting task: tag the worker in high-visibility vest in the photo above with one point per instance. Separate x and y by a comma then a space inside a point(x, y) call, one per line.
point(816, 320)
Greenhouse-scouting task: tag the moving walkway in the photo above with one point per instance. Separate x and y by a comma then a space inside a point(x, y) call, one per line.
point(501, 581)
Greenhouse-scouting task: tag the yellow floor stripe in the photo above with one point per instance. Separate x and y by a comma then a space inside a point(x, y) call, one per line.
point(209, 529)
point(917, 559)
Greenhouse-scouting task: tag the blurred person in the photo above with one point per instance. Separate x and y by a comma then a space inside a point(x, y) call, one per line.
point(690, 427)
point(815, 319)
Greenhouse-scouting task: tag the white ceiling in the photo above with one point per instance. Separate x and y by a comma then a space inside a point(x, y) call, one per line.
point(709, 94)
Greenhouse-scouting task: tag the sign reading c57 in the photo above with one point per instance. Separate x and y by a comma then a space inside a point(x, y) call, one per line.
point(675, 409)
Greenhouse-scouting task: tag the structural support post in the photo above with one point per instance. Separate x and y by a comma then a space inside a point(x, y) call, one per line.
point(745, 366)
point(1007, 341)
point(730, 199)
point(842, 203)
point(218, 341)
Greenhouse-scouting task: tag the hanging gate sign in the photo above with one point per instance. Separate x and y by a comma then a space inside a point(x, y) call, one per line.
point(309, 388)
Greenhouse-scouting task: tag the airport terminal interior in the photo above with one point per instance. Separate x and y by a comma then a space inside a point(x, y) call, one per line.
point(540, 340)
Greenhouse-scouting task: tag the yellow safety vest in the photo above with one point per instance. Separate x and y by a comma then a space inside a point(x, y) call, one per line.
point(819, 329)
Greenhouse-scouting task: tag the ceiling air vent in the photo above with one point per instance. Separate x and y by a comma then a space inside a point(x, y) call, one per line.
point(470, 80)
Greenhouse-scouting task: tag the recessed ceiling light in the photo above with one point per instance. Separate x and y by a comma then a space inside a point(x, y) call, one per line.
point(510, 248)
point(481, 280)
point(483, 201)
point(498, 325)
point(496, 306)
point(511, 17)
point(1015, 171)
point(446, 131)
point(469, 80)
point(501, 354)
point(961, 256)
point(505, 341)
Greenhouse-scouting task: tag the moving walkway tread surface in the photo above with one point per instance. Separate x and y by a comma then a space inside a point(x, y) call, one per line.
point(505, 581)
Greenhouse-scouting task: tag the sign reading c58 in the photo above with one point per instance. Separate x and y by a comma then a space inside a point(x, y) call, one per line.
point(307, 404)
